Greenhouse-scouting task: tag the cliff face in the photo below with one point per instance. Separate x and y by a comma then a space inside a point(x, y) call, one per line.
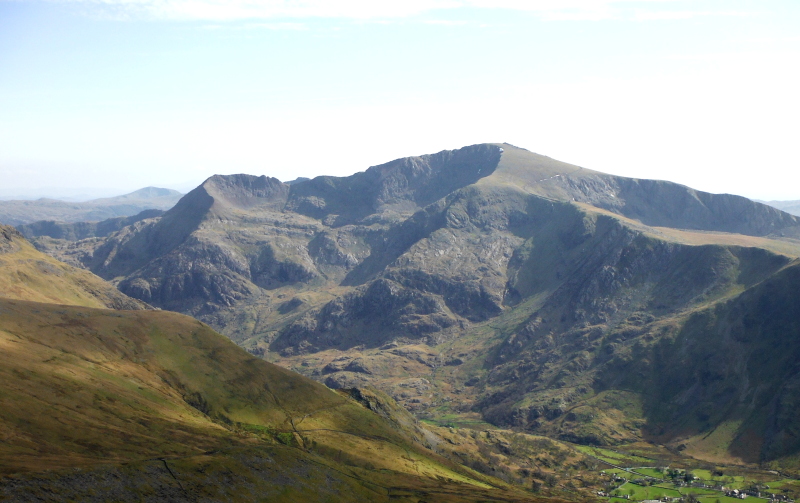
point(527, 290)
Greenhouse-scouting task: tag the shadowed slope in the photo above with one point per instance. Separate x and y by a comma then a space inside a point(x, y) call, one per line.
point(731, 373)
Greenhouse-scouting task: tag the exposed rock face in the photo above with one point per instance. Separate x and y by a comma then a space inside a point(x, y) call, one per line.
point(541, 290)
point(370, 315)
point(246, 192)
point(8, 236)
point(201, 271)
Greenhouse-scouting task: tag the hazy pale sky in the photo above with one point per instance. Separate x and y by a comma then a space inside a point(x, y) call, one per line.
point(107, 96)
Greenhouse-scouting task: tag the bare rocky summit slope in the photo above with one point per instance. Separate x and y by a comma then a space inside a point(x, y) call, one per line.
point(487, 283)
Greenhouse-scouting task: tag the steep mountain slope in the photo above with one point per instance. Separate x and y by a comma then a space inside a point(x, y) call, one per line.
point(26, 212)
point(744, 382)
point(719, 381)
point(489, 283)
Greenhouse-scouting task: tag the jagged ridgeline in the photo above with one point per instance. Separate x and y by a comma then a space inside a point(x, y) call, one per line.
point(141, 405)
point(492, 284)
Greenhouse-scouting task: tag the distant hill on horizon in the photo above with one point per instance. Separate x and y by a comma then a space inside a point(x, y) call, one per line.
point(19, 212)
point(792, 207)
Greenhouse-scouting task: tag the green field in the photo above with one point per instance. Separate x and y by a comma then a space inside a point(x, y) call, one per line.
point(784, 483)
point(698, 491)
point(734, 481)
point(639, 493)
point(618, 471)
point(651, 472)
point(637, 467)
point(636, 492)
point(727, 499)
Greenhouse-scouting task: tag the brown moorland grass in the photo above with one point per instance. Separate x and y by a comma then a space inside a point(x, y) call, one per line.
point(86, 387)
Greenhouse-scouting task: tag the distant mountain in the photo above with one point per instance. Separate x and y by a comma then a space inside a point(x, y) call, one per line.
point(26, 212)
point(792, 207)
point(82, 230)
point(488, 281)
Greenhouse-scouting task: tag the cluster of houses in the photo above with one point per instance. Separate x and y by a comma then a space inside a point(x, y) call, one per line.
point(773, 498)
point(684, 479)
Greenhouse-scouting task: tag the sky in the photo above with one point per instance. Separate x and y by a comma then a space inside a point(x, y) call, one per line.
point(102, 97)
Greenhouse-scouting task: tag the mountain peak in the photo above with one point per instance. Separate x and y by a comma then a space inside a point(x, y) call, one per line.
point(150, 192)
point(244, 191)
point(401, 186)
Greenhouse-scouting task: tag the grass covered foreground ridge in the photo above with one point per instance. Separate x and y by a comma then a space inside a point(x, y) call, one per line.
point(157, 405)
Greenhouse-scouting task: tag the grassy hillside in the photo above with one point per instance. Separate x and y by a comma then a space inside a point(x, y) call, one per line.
point(28, 274)
point(85, 387)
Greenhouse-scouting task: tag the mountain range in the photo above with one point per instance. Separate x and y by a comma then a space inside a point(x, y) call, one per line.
point(56, 211)
point(792, 207)
point(492, 285)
